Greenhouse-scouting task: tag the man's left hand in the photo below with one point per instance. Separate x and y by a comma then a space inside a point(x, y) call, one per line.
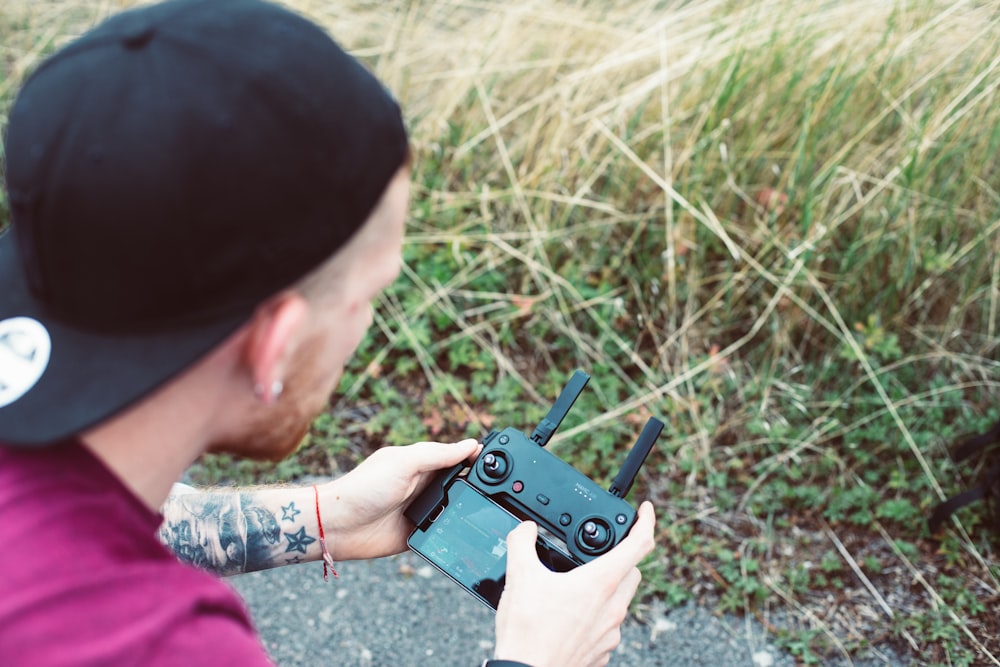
point(363, 510)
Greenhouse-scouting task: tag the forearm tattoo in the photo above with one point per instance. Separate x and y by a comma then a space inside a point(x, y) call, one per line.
point(230, 533)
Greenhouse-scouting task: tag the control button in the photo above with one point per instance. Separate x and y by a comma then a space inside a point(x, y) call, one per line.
point(517, 487)
point(542, 499)
point(565, 519)
point(621, 519)
point(504, 439)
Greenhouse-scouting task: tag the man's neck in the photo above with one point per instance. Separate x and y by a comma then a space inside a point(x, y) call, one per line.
point(151, 444)
point(147, 467)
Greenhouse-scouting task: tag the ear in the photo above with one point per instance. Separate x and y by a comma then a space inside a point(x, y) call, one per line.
point(271, 339)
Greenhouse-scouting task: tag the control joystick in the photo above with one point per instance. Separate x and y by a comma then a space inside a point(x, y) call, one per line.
point(594, 536)
point(494, 466)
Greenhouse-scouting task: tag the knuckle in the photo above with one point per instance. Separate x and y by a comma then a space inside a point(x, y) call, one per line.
point(609, 642)
point(619, 619)
point(601, 660)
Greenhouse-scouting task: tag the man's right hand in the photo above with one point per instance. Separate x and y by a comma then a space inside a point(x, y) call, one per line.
point(568, 619)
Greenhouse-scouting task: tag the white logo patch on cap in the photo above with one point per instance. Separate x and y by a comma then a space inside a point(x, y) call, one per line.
point(25, 346)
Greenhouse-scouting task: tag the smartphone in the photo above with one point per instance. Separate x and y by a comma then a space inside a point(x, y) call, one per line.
point(467, 541)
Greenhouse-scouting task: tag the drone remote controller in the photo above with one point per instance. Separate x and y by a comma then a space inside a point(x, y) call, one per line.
point(515, 472)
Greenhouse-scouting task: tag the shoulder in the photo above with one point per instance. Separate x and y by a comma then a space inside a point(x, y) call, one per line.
point(87, 583)
point(153, 613)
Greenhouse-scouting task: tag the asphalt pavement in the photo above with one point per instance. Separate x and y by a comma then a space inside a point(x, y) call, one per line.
point(400, 612)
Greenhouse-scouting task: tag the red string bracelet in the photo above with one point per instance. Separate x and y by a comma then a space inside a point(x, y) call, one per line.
point(327, 558)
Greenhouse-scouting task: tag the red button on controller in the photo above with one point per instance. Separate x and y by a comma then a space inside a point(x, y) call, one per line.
point(517, 487)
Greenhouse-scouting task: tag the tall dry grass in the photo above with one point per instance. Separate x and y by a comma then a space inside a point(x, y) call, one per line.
point(774, 223)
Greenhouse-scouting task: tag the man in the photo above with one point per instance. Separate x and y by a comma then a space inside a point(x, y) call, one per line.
point(206, 197)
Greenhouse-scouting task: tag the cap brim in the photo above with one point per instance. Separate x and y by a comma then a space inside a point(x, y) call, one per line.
point(89, 376)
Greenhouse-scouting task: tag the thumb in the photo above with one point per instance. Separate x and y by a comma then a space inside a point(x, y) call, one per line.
point(521, 554)
point(429, 456)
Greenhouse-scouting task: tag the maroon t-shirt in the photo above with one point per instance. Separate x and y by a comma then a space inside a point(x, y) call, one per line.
point(84, 581)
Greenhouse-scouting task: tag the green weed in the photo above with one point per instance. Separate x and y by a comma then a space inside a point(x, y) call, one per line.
point(774, 225)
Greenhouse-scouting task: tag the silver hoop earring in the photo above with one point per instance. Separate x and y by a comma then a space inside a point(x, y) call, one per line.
point(271, 396)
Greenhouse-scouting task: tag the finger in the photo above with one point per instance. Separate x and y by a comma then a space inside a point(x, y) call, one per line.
point(521, 556)
point(626, 590)
point(428, 456)
point(640, 538)
point(616, 606)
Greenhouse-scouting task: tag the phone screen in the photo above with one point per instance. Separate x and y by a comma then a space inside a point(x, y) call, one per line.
point(468, 542)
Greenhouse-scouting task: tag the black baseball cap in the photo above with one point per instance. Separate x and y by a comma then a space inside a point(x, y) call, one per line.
point(167, 172)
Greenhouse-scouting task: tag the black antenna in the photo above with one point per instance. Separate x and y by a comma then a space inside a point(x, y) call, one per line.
point(623, 482)
point(543, 432)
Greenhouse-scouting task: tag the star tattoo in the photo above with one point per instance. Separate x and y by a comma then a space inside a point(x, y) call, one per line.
point(289, 513)
point(298, 541)
point(296, 559)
